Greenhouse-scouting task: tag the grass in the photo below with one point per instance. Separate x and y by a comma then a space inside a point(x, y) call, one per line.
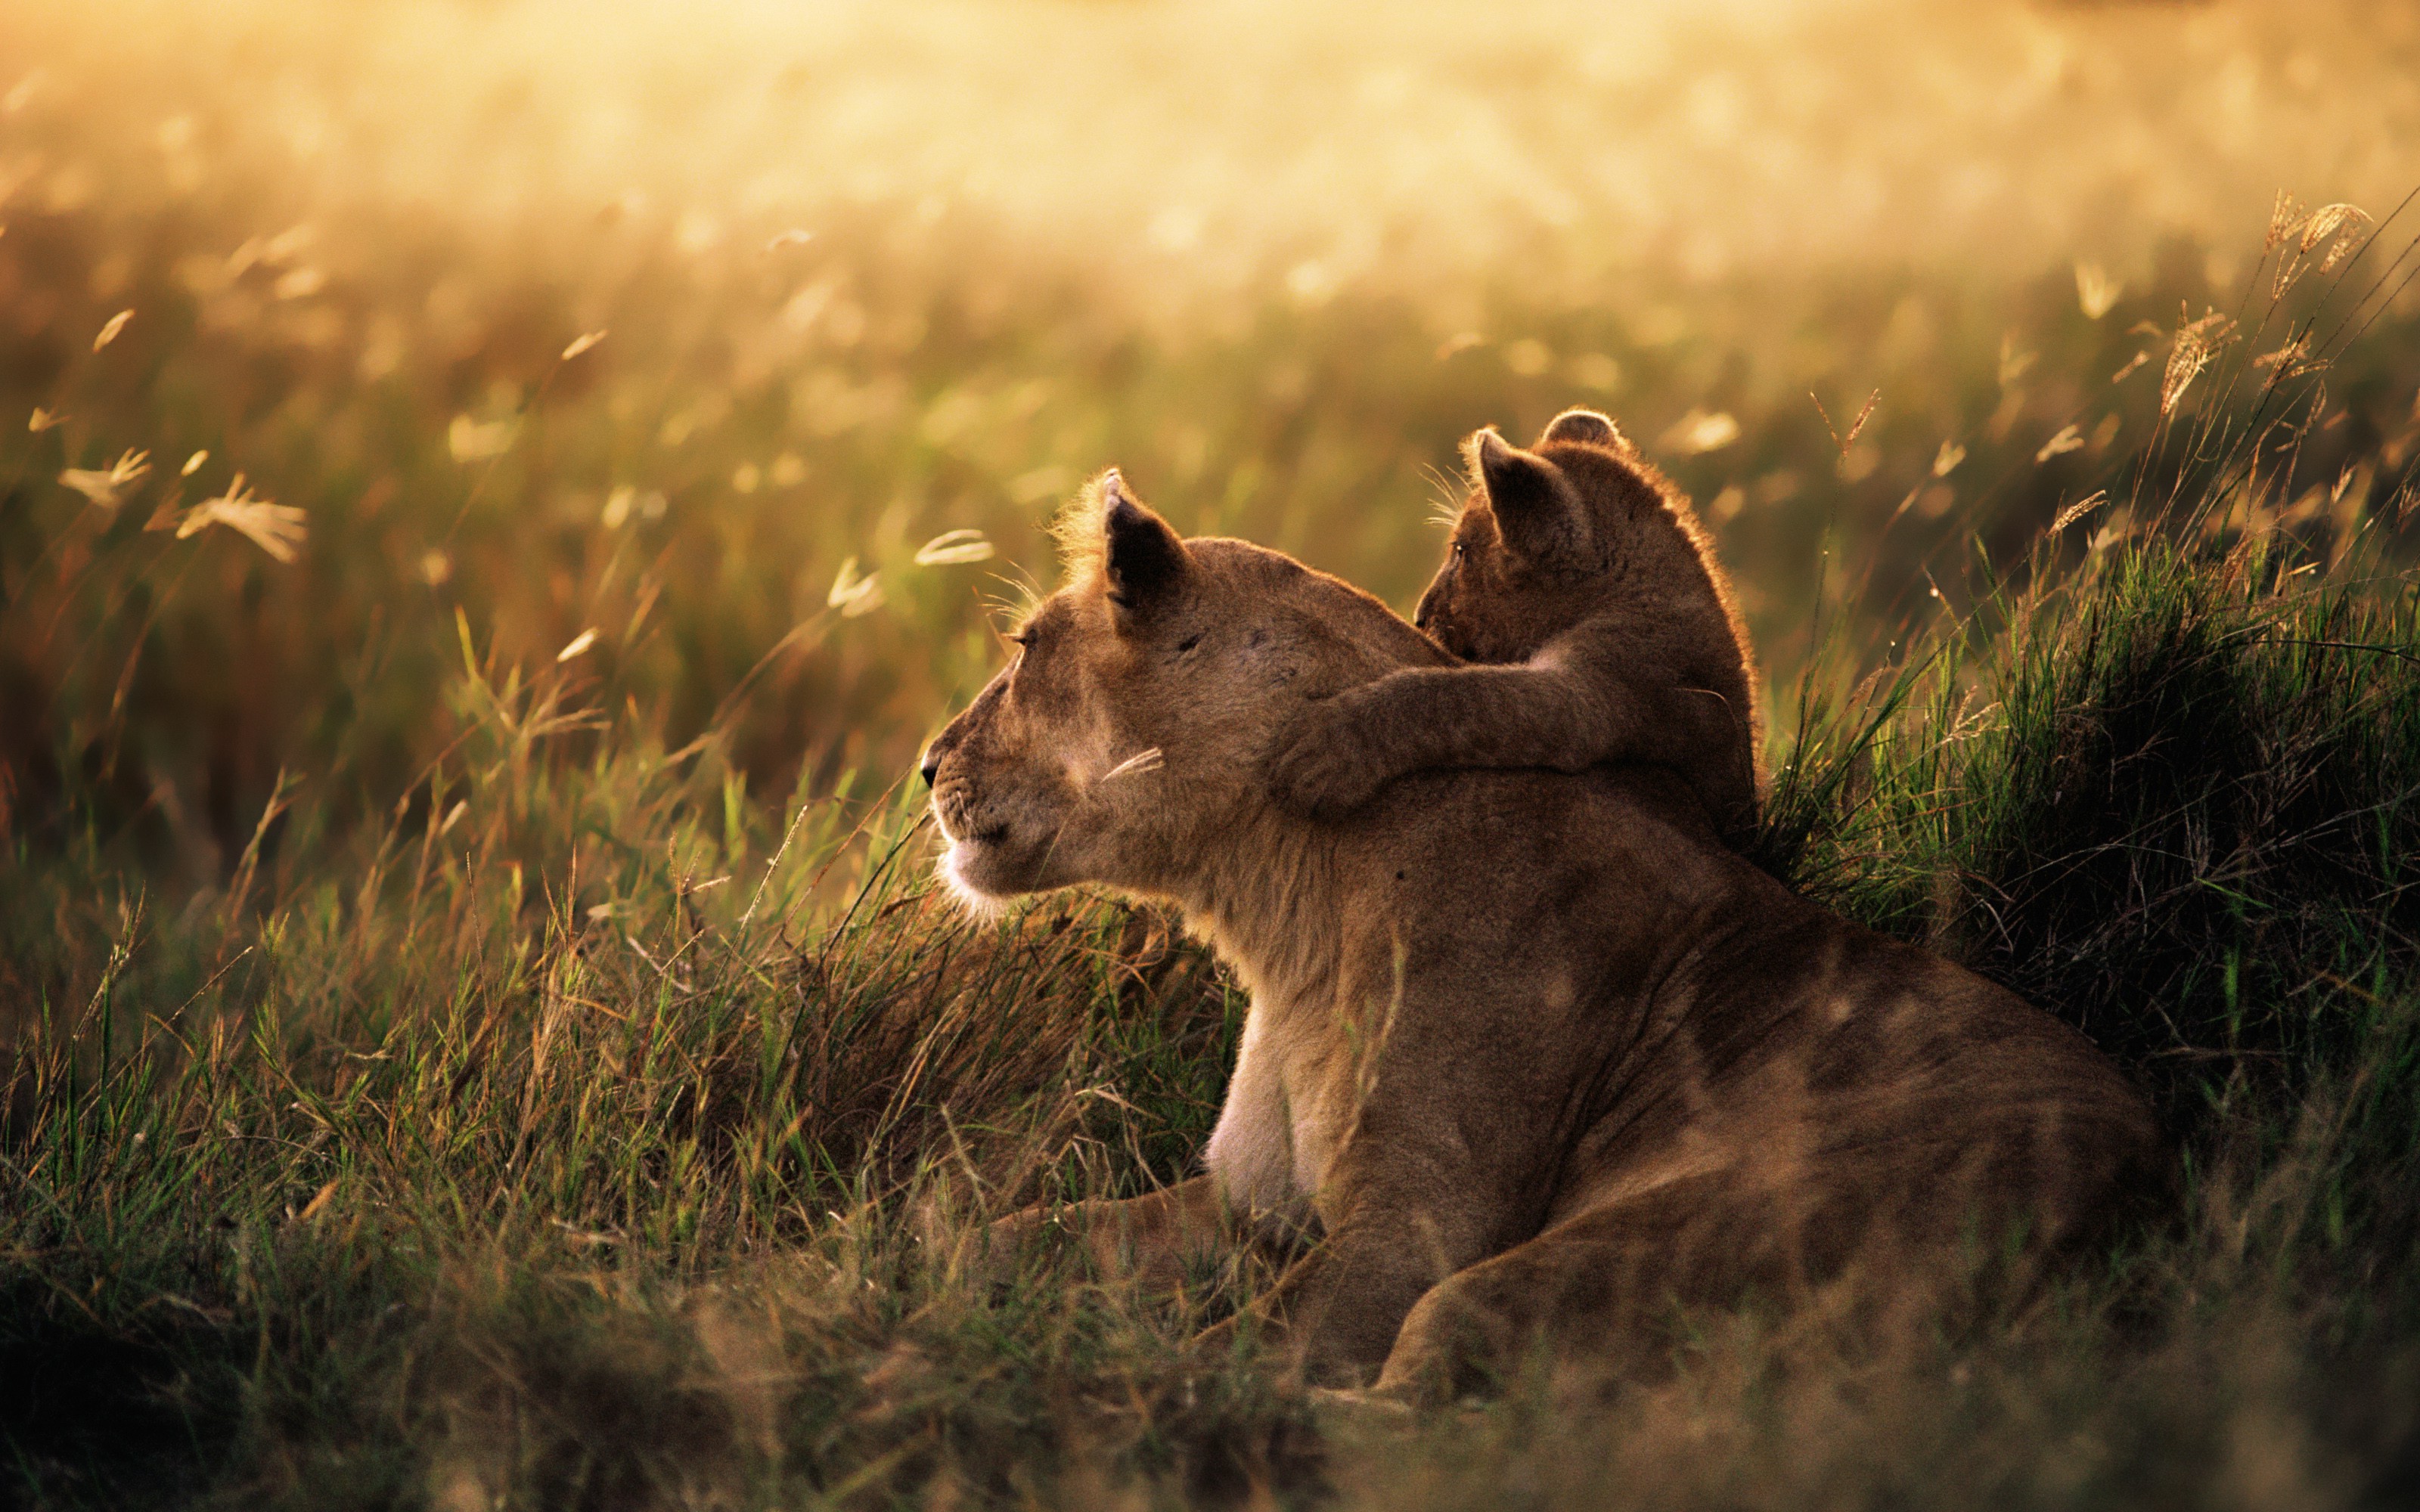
point(455, 1059)
point(422, 1182)
point(587, 1133)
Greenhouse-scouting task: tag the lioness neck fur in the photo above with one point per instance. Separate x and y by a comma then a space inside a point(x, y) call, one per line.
point(1537, 1051)
point(1600, 624)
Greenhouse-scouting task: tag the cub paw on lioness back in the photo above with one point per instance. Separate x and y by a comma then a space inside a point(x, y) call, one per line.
point(1601, 629)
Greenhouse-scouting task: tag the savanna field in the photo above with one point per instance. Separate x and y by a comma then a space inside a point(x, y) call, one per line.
point(494, 495)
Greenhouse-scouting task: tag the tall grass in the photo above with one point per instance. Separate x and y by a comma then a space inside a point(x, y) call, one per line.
point(529, 1159)
point(580, 1131)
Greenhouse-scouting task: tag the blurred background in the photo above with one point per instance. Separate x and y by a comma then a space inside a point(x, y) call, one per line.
point(715, 365)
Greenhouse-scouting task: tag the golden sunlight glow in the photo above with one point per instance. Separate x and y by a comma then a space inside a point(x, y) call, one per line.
point(1192, 148)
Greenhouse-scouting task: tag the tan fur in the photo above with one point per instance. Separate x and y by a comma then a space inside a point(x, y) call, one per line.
point(1533, 1053)
point(1581, 583)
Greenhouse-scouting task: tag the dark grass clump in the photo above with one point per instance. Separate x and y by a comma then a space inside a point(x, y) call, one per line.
point(2175, 800)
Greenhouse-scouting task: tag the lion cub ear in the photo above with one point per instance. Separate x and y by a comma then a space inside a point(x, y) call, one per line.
point(1536, 507)
point(1141, 557)
point(1585, 426)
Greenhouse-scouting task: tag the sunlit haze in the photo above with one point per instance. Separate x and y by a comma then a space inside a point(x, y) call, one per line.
point(1206, 145)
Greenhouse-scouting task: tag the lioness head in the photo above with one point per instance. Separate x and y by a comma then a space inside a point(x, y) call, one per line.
point(1542, 531)
point(1128, 736)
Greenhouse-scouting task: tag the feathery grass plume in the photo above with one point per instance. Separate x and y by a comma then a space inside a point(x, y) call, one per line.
point(2069, 439)
point(107, 486)
point(276, 529)
point(2293, 359)
point(579, 643)
point(580, 344)
point(952, 547)
point(110, 329)
point(192, 464)
point(2196, 345)
point(853, 594)
point(42, 420)
point(2339, 228)
point(2284, 218)
point(1946, 461)
point(2076, 511)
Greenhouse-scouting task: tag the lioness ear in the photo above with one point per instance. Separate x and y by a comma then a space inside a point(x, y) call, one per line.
point(1583, 426)
point(1141, 557)
point(1535, 506)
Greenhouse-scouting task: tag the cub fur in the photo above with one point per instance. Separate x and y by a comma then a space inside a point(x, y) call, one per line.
point(1531, 1053)
point(1581, 584)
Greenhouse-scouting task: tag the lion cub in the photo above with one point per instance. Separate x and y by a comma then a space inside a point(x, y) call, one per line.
point(1601, 628)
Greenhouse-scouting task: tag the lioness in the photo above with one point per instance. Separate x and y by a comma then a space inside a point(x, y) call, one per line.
point(1537, 1053)
point(1601, 627)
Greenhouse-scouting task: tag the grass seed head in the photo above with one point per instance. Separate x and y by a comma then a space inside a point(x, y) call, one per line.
point(276, 529)
point(2068, 439)
point(2340, 226)
point(951, 548)
point(2077, 510)
point(2197, 345)
point(853, 594)
point(106, 486)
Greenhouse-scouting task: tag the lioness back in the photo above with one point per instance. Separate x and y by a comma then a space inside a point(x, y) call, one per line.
point(1600, 625)
point(1717, 1021)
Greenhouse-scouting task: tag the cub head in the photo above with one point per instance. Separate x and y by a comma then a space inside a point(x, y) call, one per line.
point(1124, 740)
point(1542, 531)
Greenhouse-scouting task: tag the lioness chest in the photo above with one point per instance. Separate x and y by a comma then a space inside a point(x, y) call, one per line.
point(1287, 1105)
